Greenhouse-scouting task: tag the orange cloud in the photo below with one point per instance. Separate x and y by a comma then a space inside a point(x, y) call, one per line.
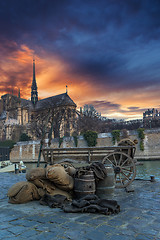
point(53, 74)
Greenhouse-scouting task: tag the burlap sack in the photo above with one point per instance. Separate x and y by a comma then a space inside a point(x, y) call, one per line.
point(60, 177)
point(45, 185)
point(23, 192)
point(36, 173)
point(126, 142)
point(61, 192)
point(67, 187)
point(71, 171)
point(57, 174)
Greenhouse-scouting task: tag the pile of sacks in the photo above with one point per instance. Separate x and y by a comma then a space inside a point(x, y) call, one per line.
point(53, 186)
point(51, 180)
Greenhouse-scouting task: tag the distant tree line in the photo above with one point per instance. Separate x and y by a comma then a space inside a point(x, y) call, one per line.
point(90, 119)
point(151, 123)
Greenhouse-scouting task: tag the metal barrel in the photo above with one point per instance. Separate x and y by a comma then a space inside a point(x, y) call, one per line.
point(84, 185)
point(105, 188)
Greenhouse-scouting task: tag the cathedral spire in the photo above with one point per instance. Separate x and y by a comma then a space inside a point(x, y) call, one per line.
point(19, 93)
point(34, 93)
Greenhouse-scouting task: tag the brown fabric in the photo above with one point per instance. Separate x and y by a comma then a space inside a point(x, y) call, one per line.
point(59, 176)
point(98, 169)
point(41, 192)
point(58, 191)
point(53, 201)
point(67, 187)
point(36, 173)
point(48, 187)
point(71, 171)
point(44, 184)
point(92, 204)
point(126, 142)
point(23, 192)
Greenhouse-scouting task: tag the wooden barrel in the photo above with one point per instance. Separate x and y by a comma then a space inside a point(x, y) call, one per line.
point(84, 185)
point(105, 188)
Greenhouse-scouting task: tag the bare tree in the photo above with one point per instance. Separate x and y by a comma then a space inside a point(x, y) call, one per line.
point(90, 119)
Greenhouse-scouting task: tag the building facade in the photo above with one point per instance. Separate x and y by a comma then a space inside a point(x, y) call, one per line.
point(151, 118)
point(18, 115)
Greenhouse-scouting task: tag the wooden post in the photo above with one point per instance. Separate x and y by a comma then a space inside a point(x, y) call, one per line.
point(43, 137)
point(89, 156)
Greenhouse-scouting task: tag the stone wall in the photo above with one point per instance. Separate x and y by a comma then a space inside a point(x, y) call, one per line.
point(28, 151)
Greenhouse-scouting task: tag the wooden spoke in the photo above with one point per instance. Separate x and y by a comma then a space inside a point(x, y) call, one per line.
point(121, 179)
point(124, 162)
point(125, 175)
point(120, 159)
point(126, 170)
point(107, 160)
point(128, 166)
point(115, 159)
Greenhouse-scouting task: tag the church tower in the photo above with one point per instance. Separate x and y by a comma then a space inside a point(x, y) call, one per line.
point(34, 93)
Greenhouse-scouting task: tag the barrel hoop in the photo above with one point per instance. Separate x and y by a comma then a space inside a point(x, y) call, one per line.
point(84, 191)
point(105, 187)
point(84, 180)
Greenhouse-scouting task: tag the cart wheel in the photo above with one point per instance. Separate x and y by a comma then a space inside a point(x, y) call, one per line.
point(124, 168)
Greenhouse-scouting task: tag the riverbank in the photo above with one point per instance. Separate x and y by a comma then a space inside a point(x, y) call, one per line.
point(139, 217)
point(29, 151)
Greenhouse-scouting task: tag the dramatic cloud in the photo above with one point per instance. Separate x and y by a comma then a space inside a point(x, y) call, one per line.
point(106, 51)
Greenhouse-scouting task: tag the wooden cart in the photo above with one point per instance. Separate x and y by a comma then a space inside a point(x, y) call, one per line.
point(121, 158)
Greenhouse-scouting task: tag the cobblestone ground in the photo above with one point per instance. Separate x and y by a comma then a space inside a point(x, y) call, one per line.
point(139, 217)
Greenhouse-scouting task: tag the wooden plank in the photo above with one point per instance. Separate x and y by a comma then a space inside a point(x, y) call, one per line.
point(89, 148)
point(50, 154)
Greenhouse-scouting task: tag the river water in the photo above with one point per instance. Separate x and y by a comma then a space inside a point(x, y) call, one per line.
point(147, 169)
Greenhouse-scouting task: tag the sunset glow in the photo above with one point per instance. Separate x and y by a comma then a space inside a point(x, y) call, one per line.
point(110, 60)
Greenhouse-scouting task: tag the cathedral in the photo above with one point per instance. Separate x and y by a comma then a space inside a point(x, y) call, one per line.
point(33, 117)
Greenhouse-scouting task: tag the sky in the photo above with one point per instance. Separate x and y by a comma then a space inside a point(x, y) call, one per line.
point(107, 52)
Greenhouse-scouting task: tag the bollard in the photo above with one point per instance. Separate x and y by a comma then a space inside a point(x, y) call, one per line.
point(16, 168)
point(152, 179)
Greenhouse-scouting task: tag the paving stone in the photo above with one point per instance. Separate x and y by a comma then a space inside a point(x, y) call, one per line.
point(29, 233)
point(115, 222)
point(9, 218)
point(17, 222)
point(46, 227)
point(5, 234)
point(139, 217)
point(145, 237)
point(45, 236)
point(17, 229)
point(72, 225)
point(73, 234)
point(84, 217)
point(121, 237)
point(5, 225)
point(31, 224)
point(107, 229)
point(94, 235)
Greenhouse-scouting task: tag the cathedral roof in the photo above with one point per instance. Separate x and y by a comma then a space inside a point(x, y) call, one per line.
point(55, 101)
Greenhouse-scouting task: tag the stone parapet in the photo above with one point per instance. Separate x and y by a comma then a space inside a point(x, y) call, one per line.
point(28, 151)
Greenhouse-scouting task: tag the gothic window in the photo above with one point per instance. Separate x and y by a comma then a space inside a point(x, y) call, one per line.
point(69, 113)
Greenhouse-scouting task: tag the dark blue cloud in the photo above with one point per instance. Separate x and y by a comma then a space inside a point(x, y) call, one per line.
point(101, 39)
